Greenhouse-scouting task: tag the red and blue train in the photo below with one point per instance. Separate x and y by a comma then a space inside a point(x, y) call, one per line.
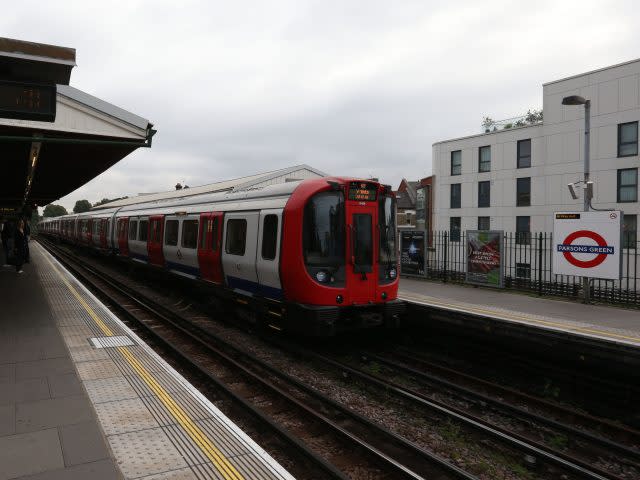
point(316, 256)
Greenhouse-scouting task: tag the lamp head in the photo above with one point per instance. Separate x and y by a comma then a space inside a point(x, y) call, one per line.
point(573, 100)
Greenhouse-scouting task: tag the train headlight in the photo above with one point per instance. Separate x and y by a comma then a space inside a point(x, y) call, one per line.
point(322, 276)
point(392, 273)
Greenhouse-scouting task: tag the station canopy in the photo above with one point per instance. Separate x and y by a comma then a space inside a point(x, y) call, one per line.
point(54, 138)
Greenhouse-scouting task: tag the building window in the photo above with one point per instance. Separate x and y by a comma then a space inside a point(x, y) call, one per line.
point(523, 192)
point(454, 229)
point(523, 270)
point(524, 153)
point(628, 185)
point(456, 195)
point(523, 230)
point(484, 223)
point(630, 231)
point(484, 194)
point(456, 162)
point(627, 139)
point(484, 159)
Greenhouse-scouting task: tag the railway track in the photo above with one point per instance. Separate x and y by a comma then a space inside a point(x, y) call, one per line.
point(608, 435)
point(578, 466)
point(351, 446)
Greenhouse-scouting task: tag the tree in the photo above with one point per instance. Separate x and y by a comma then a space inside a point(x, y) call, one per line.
point(82, 206)
point(52, 210)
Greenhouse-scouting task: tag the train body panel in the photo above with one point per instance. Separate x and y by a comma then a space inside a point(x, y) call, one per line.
point(321, 250)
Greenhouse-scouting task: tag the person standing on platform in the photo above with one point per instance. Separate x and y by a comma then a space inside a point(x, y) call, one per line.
point(4, 236)
point(20, 245)
point(27, 233)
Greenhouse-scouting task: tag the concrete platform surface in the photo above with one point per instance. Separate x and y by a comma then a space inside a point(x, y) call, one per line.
point(606, 323)
point(48, 429)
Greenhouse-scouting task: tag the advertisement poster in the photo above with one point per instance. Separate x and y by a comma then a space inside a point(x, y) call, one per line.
point(412, 253)
point(485, 257)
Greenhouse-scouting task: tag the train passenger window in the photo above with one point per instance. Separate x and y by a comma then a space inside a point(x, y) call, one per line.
point(206, 225)
point(214, 235)
point(133, 229)
point(171, 232)
point(143, 232)
point(269, 237)
point(236, 236)
point(190, 233)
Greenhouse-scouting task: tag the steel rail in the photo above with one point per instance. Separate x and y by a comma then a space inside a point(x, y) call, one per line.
point(535, 449)
point(604, 442)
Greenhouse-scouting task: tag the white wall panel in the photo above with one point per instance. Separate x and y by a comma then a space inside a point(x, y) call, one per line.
point(629, 92)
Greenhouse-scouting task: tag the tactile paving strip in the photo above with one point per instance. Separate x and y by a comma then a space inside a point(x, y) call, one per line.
point(111, 342)
point(144, 431)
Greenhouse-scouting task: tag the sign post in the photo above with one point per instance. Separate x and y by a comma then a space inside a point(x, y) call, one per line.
point(485, 258)
point(412, 253)
point(588, 244)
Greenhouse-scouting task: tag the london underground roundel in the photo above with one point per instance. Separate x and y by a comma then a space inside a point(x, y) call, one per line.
point(601, 250)
point(587, 244)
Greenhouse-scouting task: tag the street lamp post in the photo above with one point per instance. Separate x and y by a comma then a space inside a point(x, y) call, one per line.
point(578, 100)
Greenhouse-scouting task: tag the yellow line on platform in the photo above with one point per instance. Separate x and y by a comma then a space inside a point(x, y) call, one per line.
point(515, 317)
point(224, 466)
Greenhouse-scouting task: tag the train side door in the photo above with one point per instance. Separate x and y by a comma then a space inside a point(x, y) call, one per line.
point(361, 275)
point(123, 236)
point(154, 246)
point(268, 254)
point(239, 251)
point(104, 232)
point(210, 247)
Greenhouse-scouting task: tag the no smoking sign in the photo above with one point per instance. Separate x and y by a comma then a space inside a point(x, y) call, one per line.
point(587, 244)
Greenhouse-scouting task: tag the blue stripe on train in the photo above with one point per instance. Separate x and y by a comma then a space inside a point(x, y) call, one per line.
point(137, 256)
point(254, 288)
point(189, 270)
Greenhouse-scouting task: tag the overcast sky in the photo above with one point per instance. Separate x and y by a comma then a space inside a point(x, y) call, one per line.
point(360, 88)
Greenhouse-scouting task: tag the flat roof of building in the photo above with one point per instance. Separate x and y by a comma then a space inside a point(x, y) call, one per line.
point(591, 72)
point(503, 130)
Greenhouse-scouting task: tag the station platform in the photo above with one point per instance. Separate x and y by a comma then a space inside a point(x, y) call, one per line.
point(81, 396)
point(593, 322)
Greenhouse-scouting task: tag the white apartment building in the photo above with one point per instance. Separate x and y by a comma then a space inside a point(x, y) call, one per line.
point(514, 179)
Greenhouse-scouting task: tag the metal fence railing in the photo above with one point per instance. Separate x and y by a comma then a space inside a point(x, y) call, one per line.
point(528, 267)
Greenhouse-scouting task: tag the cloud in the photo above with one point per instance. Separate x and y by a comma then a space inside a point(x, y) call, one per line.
point(359, 88)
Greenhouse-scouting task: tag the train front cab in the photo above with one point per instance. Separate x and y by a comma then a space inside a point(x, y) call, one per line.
point(345, 274)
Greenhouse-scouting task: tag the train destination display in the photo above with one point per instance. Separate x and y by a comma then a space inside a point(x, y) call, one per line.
point(485, 260)
point(27, 101)
point(362, 191)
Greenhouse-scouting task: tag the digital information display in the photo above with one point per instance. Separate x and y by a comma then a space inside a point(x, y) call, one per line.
point(27, 101)
point(362, 191)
